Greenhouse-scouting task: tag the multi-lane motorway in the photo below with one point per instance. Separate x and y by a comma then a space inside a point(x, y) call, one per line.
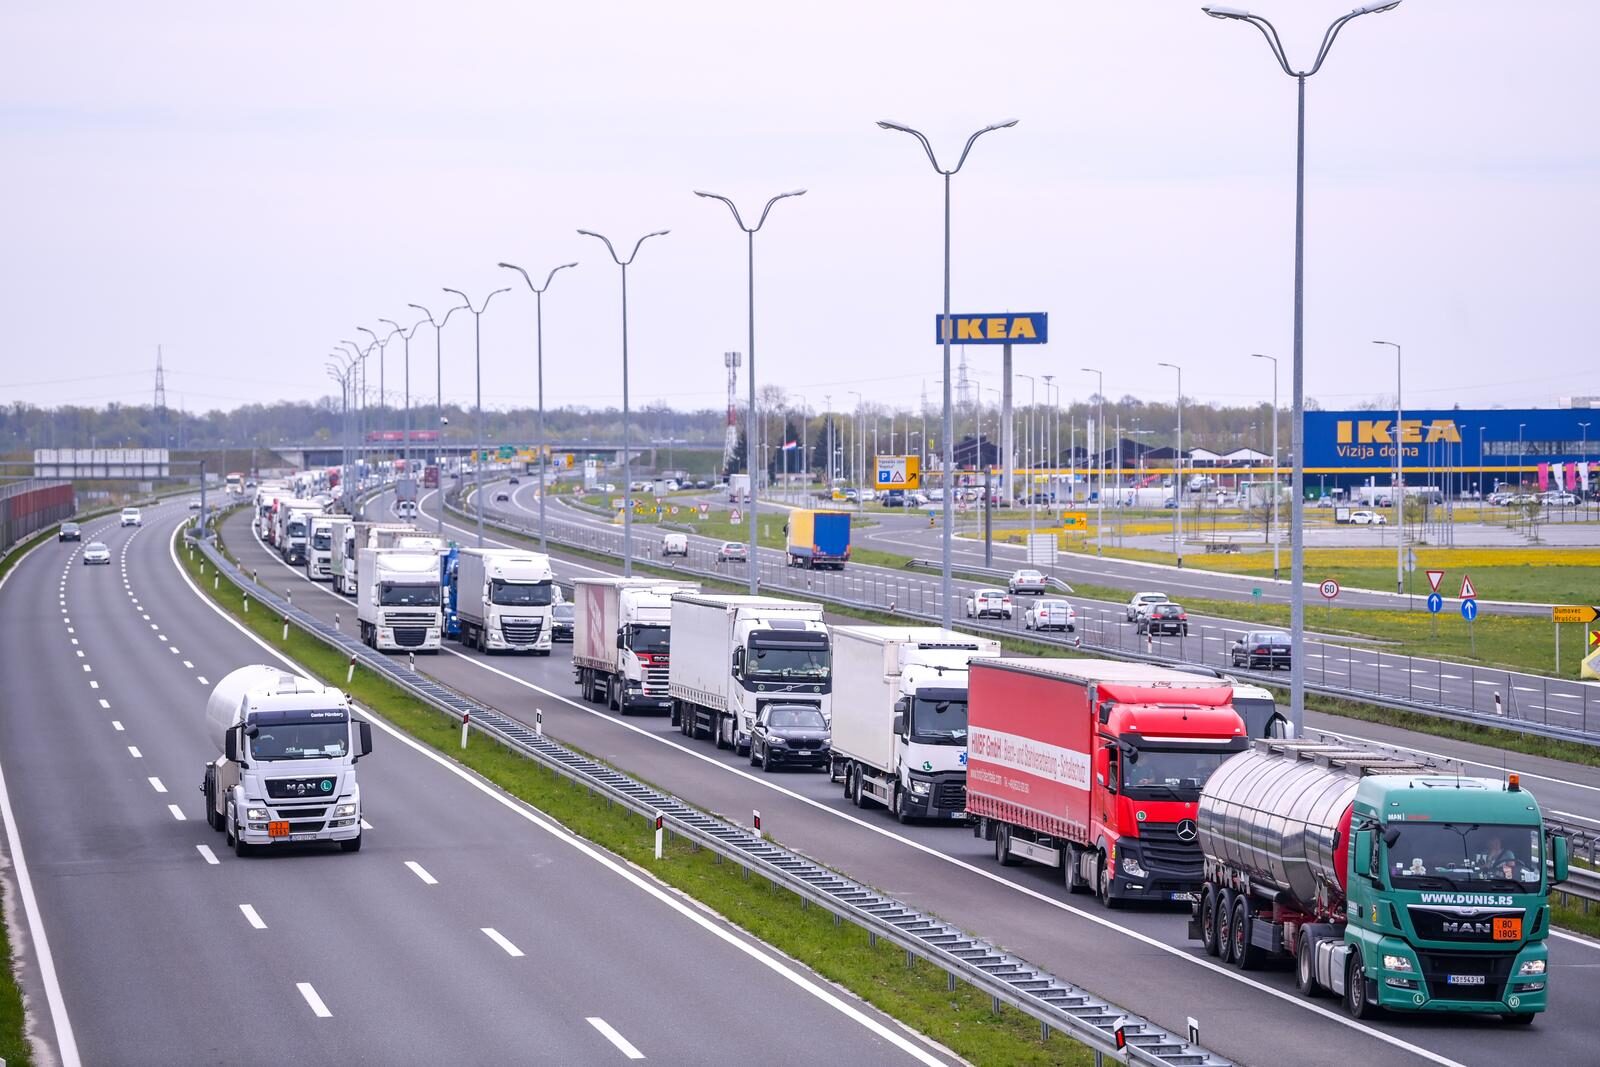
point(1353, 665)
point(468, 929)
point(1137, 958)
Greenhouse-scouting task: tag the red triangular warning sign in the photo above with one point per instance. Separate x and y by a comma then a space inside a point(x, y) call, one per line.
point(1467, 592)
point(1434, 578)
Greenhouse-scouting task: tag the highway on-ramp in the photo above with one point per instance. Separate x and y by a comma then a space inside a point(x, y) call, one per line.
point(469, 928)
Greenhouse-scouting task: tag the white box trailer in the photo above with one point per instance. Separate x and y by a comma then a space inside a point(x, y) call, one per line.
point(731, 655)
point(900, 716)
point(398, 599)
point(287, 769)
point(503, 598)
point(621, 640)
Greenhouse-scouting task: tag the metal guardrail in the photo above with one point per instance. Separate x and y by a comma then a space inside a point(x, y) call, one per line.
point(1080, 642)
point(1005, 978)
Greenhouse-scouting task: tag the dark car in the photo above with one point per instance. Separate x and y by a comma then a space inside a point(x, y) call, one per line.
point(502, 497)
point(514, 480)
point(561, 624)
point(790, 735)
point(702, 484)
point(1262, 648)
point(1164, 619)
point(70, 531)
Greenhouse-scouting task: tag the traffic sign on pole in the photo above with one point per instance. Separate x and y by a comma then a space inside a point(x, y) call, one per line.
point(1594, 638)
point(734, 516)
point(1435, 603)
point(1574, 613)
point(1329, 589)
point(1467, 591)
point(1469, 609)
point(1434, 578)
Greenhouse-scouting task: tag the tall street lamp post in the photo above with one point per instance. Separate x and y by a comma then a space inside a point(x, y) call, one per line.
point(1177, 483)
point(627, 475)
point(438, 385)
point(1277, 490)
point(750, 290)
point(1399, 476)
point(1297, 601)
point(477, 367)
point(405, 336)
point(1088, 440)
point(948, 431)
point(538, 334)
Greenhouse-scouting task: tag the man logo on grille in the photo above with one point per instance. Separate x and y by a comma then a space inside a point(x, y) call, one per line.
point(1188, 831)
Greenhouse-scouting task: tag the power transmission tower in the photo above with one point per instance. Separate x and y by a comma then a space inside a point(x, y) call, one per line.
point(160, 402)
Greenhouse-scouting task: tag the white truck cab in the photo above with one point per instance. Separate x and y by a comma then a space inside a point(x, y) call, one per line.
point(503, 599)
point(398, 599)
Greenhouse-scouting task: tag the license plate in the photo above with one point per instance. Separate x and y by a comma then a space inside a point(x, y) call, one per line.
point(1464, 979)
point(1508, 929)
point(1187, 898)
point(302, 837)
point(278, 829)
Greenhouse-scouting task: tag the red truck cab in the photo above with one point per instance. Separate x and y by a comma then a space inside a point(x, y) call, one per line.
point(1095, 766)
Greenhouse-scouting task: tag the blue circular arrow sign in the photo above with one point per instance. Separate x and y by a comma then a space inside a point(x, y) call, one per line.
point(1469, 609)
point(1435, 603)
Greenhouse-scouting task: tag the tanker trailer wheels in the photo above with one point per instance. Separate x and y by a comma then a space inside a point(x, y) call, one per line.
point(1208, 921)
point(1245, 955)
point(1224, 925)
point(1305, 973)
point(1356, 1001)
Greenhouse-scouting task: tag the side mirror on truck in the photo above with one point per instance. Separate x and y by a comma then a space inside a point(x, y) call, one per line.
point(900, 724)
point(230, 746)
point(363, 739)
point(1559, 859)
point(738, 662)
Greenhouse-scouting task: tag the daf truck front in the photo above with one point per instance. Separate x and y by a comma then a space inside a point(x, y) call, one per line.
point(503, 598)
point(398, 599)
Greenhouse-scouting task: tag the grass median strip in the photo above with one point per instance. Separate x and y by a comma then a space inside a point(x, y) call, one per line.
point(14, 1046)
point(960, 1020)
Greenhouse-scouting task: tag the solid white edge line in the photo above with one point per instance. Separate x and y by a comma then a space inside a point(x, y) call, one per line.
point(738, 941)
point(500, 939)
point(66, 1042)
point(417, 869)
point(610, 1034)
point(252, 916)
point(318, 1008)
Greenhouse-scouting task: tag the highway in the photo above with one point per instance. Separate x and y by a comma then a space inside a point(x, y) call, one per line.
point(1256, 1018)
point(470, 928)
point(1348, 664)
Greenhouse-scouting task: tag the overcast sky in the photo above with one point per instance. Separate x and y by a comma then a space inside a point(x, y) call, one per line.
point(244, 185)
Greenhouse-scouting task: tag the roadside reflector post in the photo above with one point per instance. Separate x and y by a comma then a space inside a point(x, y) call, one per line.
point(290, 594)
point(1194, 1031)
point(411, 660)
point(286, 628)
point(755, 822)
point(1498, 710)
point(538, 722)
point(336, 625)
point(351, 671)
point(466, 721)
point(247, 603)
point(216, 583)
point(660, 831)
point(1121, 1034)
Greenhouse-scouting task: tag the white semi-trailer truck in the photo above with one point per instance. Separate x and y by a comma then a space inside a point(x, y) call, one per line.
point(731, 655)
point(398, 599)
point(287, 769)
point(900, 717)
point(356, 535)
point(319, 547)
point(503, 598)
point(621, 640)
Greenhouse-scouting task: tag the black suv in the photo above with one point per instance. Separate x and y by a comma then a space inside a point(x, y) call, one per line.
point(1165, 619)
point(1262, 648)
point(70, 531)
point(790, 734)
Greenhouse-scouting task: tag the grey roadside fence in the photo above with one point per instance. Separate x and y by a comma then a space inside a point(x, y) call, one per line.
point(1009, 981)
point(1397, 682)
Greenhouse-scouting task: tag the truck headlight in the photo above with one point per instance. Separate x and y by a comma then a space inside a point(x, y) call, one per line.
point(1397, 963)
point(255, 813)
point(344, 811)
point(920, 788)
point(1531, 967)
point(1131, 868)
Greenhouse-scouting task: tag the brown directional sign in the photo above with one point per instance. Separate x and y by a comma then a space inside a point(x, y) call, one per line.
point(1574, 613)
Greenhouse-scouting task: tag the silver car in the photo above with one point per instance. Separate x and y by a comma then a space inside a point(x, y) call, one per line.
point(1027, 581)
point(96, 552)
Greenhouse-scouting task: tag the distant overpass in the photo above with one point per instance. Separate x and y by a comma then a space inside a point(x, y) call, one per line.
point(326, 454)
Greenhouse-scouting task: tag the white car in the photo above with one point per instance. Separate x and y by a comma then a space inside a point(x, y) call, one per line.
point(406, 509)
point(96, 552)
point(1369, 518)
point(1050, 615)
point(989, 604)
point(132, 517)
point(674, 544)
point(194, 503)
point(1027, 581)
point(1143, 602)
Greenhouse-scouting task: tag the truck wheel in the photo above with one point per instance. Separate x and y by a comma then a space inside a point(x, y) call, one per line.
point(1246, 955)
point(1103, 886)
point(716, 733)
point(1305, 972)
point(1355, 989)
point(1208, 921)
point(1072, 867)
point(900, 815)
point(1224, 923)
point(612, 702)
point(1002, 846)
point(352, 845)
point(240, 849)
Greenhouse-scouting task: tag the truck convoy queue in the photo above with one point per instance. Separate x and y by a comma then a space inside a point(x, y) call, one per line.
point(1382, 881)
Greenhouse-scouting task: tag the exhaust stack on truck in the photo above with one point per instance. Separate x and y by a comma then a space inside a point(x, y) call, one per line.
point(1391, 884)
point(900, 716)
point(287, 773)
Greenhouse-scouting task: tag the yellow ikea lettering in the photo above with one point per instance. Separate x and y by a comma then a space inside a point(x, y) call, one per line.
point(1022, 326)
point(1374, 431)
point(997, 328)
point(1345, 434)
point(969, 329)
point(1443, 430)
point(1410, 431)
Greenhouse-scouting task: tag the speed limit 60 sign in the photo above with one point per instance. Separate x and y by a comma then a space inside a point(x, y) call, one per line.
point(1329, 589)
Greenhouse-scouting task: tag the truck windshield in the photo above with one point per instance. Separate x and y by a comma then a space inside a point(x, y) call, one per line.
point(297, 529)
point(301, 740)
point(322, 540)
point(811, 662)
point(651, 640)
point(1447, 855)
point(939, 717)
point(519, 594)
point(1173, 774)
point(399, 595)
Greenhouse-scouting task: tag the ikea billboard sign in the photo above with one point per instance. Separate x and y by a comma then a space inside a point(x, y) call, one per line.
point(1019, 328)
